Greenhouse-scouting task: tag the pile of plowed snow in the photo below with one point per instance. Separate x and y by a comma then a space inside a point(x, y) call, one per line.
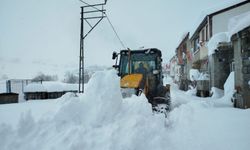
point(101, 120)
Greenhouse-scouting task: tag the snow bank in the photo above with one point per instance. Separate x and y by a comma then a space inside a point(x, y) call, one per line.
point(229, 90)
point(101, 119)
point(217, 93)
point(229, 85)
point(215, 40)
point(10, 113)
point(238, 23)
point(98, 119)
point(192, 91)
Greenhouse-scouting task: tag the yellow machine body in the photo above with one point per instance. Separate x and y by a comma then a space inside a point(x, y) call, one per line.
point(131, 81)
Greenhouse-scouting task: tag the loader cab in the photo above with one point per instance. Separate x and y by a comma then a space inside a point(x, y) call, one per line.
point(131, 61)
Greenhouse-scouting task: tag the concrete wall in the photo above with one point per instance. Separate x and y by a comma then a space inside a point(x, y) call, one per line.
point(203, 52)
point(241, 45)
point(220, 21)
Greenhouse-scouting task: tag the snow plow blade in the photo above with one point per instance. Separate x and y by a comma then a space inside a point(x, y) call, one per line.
point(162, 102)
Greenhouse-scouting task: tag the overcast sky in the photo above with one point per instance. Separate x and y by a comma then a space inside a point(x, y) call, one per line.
point(43, 35)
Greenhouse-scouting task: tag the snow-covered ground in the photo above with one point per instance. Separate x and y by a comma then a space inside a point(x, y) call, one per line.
point(101, 120)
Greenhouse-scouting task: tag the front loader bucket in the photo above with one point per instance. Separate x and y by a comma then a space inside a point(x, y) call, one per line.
point(162, 102)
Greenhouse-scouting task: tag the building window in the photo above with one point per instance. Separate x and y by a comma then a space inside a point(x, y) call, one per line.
point(196, 44)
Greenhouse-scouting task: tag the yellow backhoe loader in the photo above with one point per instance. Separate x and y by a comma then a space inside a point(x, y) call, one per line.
point(141, 72)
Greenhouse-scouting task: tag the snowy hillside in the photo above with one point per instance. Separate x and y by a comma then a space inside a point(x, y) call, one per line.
point(101, 120)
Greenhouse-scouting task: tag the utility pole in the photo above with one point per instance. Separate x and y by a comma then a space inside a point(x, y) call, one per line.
point(96, 13)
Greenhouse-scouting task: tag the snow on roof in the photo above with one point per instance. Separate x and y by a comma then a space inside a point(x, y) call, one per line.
point(238, 23)
point(212, 10)
point(215, 40)
point(34, 87)
point(50, 86)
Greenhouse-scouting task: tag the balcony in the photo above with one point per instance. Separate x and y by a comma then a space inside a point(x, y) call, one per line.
point(201, 53)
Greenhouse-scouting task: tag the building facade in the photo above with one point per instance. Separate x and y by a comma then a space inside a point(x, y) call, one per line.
point(241, 45)
point(184, 62)
point(217, 67)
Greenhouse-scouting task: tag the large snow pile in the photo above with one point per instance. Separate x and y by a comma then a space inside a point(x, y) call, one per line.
point(101, 119)
point(215, 40)
point(238, 23)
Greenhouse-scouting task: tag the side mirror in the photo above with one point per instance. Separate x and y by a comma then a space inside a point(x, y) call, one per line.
point(115, 66)
point(114, 55)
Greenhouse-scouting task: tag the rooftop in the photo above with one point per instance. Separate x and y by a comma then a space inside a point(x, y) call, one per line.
point(50, 86)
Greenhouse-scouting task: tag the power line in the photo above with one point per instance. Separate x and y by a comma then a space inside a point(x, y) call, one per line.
point(113, 28)
point(93, 6)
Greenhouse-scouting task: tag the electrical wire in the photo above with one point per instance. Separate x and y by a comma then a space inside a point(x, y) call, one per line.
point(91, 5)
point(113, 28)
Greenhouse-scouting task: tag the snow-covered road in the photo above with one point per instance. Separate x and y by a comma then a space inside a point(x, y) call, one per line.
point(101, 119)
